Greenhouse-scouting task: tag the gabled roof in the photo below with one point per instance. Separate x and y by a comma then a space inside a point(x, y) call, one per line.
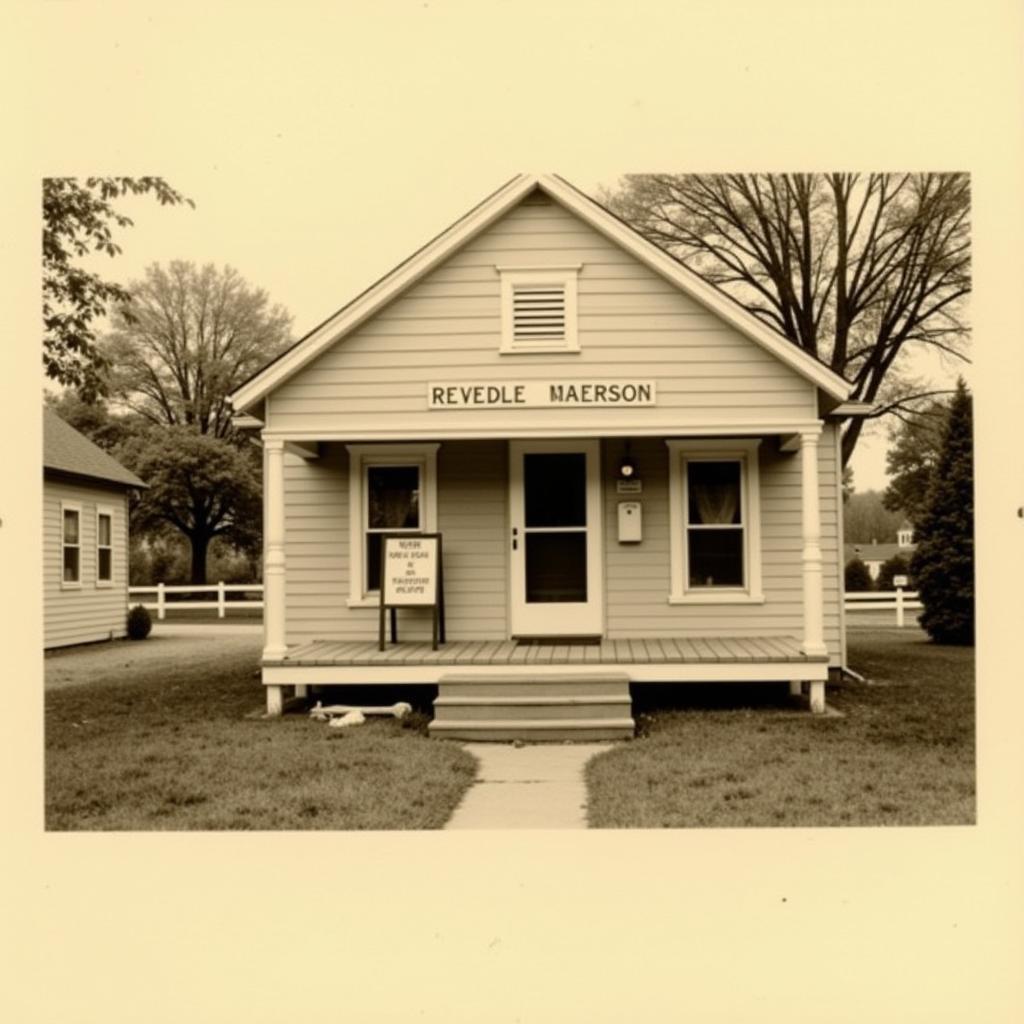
point(481, 217)
point(68, 451)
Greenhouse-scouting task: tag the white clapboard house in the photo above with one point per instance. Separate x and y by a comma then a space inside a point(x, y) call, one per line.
point(635, 480)
point(85, 538)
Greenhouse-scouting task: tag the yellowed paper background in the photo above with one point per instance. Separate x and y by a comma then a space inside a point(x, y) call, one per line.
point(829, 925)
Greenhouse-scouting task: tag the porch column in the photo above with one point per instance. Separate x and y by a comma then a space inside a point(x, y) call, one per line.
point(273, 558)
point(814, 629)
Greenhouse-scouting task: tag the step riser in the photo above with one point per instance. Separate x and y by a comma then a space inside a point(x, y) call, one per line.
point(588, 734)
point(528, 688)
point(473, 712)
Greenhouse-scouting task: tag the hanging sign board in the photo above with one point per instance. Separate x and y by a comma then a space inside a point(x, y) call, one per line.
point(411, 577)
point(540, 394)
point(899, 581)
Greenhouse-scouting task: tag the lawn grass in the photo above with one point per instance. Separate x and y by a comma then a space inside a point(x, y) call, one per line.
point(902, 753)
point(177, 747)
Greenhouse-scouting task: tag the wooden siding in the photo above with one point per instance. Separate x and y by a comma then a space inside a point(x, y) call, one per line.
point(632, 323)
point(86, 613)
point(472, 512)
point(637, 576)
point(473, 517)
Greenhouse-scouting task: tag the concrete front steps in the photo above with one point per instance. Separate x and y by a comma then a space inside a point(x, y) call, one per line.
point(536, 708)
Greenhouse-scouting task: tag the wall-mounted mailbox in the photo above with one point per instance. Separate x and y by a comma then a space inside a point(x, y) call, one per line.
point(630, 522)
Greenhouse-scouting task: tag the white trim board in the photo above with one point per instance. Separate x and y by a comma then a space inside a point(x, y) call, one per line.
point(706, 672)
point(481, 217)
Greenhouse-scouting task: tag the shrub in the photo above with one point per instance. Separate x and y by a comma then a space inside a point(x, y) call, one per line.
point(943, 564)
point(857, 576)
point(139, 623)
point(895, 566)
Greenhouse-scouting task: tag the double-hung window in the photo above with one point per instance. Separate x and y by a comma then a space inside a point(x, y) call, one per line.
point(71, 544)
point(104, 547)
point(714, 509)
point(392, 489)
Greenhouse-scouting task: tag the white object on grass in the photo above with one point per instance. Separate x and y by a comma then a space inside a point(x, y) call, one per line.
point(351, 718)
point(320, 713)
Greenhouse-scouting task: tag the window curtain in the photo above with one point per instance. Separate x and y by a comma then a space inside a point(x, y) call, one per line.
point(717, 504)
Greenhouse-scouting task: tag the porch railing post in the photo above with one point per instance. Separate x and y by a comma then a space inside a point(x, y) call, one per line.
point(161, 608)
point(273, 558)
point(899, 607)
point(220, 599)
point(814, 628)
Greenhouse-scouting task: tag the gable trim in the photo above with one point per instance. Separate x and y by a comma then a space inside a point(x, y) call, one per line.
point(481, 217)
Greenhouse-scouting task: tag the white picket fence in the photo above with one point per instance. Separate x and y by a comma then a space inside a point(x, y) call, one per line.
point(900, 601)
point(221, 590)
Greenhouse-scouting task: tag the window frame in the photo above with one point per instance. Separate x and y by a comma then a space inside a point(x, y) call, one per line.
point(361, 458)
point(76, 507)
point(108, 511)
point(681, 454)
point(562, 275)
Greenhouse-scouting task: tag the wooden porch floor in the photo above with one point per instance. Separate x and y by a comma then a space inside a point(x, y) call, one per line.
point(465, 653)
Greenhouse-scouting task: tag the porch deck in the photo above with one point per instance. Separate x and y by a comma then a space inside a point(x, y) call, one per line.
point(679, 659)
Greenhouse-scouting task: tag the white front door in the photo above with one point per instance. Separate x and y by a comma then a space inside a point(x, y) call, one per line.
point(556, 537)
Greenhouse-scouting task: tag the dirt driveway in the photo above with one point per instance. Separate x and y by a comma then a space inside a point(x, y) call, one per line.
point(123, 661)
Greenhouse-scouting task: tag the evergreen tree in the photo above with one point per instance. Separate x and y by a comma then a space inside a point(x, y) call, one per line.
point(943, 564)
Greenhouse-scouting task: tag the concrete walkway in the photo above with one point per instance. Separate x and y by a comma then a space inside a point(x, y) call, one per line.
point(537, 785)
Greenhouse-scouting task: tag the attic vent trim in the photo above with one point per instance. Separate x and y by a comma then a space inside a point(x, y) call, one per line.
point(538, 308)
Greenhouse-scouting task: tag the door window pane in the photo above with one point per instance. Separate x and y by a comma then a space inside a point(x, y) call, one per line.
point(556, 567)
point(556, 488)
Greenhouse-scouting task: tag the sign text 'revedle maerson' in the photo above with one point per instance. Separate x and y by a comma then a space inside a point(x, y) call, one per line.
point(539, 394)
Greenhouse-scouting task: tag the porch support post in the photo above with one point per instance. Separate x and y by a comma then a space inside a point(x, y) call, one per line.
point(814, 628)
point(273, 556)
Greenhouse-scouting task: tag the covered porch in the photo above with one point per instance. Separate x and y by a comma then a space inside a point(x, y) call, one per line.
point(747, 659)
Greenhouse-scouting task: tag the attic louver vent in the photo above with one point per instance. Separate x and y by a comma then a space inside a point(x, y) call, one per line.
point(538, 313)
point(538, 309)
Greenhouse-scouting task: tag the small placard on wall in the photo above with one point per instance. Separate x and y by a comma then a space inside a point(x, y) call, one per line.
point(629, 486)
point(409, 571)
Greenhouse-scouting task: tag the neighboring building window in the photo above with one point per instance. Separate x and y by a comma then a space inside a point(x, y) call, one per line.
point(538, 309)
point(392, 489)
point(71, 544)
point(104, 547)
point(714, 509)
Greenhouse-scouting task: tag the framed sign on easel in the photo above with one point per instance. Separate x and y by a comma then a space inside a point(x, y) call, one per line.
point(411, 576)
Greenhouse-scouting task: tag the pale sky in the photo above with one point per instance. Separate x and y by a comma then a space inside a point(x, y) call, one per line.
point(313, 257)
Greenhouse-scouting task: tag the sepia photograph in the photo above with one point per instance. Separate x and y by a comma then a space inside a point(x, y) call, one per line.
point(512, 512)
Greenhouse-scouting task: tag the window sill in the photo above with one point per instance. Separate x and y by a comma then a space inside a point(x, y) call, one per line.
point(363, 602)
point(722, 597)
point(104, 584)
point(560, 350)
point(70, 586)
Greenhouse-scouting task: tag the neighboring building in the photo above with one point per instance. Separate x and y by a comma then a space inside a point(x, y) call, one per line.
point(875, 555)
point(497, 388)
point(85, 538)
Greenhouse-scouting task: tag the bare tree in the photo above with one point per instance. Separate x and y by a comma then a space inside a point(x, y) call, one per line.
point(855, 269)
point(186, 339)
